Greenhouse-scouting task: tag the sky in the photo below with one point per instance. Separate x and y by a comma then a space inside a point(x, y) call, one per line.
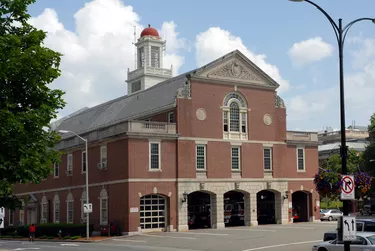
point(292, 42)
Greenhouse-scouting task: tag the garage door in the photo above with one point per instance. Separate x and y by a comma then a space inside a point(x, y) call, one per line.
point(153, 212)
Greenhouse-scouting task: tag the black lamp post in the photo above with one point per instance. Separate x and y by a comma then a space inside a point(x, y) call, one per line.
point(340, 33)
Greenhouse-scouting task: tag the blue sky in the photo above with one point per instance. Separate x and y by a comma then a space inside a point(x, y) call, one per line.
point(264, 27)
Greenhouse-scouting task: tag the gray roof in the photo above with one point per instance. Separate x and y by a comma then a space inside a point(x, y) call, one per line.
point(125, 108)
point(137, 105)
point(358, 146)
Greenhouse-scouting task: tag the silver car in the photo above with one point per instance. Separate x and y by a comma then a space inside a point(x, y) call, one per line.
point(364, 242)
point(330, 214)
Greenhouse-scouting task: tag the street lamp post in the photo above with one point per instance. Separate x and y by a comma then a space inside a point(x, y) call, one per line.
point(340, 33)
point(87, 179)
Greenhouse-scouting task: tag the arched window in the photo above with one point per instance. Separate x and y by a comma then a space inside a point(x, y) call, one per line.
point(103, 207)
point(44, 210)
point(235, 116)
point(56, 209)
point(69, 208)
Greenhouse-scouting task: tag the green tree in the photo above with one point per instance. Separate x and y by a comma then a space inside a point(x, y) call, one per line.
point(334, 162)
point(27, 105)
point(369, 153)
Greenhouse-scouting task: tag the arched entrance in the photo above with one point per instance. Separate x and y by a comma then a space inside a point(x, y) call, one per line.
point(266, 206)
point(199, 210)
point(234, 208)
point(153, 212)
point(301, 206)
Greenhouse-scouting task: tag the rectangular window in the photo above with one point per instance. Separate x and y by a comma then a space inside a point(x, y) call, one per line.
point(155, 57)
point(225, 121)
point(70, 211)
point(56, 212)
point(44, 213)
point(136, 86)
point(236, 158)
point(301, 159)
point(84, 161)
point(22, 216)
point(11, 217)
point(171, 117)
point(141, 57)
point(83, 215)
point(201, 157)
point(267, 155)
point(154, 156)
point(103, 211)
point(69, 166)
point(56, 170)
point(243, 122)
point(103, 154)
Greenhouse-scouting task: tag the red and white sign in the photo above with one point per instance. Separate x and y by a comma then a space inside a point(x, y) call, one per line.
point(347, 189)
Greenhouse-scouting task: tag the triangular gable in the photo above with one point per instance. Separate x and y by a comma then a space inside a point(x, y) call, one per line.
point(235, 68)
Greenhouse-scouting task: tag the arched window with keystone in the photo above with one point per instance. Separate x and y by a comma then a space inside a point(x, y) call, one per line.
point(235, 116)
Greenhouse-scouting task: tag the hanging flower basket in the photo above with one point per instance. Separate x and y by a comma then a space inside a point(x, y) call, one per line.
point(362, 183)
point(327, 182)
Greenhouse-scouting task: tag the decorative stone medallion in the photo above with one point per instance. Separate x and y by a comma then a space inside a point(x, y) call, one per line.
point(267, 119)
point(201, 114)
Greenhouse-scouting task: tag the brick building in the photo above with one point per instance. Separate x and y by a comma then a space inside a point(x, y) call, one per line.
point(178, 149)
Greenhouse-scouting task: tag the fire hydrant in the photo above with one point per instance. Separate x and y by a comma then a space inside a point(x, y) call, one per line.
point(60, 234)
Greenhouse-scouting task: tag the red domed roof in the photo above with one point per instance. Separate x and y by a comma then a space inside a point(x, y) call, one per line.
point(149, 32)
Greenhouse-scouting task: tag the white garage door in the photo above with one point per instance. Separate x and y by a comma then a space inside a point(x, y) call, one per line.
point(153, 211)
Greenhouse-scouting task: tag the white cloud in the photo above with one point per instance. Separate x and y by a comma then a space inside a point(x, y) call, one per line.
point(310, 50)
point(208, 49)
point(98, 53)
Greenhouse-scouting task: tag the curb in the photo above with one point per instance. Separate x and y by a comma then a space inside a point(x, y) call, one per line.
point(47, 240)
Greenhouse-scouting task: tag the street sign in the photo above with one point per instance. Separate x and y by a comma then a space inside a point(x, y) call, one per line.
point(1, 222)
point(349, 231)
point(87, 208)
point(2, 212)
point(347, 190)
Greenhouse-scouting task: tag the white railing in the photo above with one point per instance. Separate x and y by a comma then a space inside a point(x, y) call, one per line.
point(302, 136)
point(151, 127)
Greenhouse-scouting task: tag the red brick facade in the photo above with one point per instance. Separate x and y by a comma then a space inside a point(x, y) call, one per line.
point(129, 175)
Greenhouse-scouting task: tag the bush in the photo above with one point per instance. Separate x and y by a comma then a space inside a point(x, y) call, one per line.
point(75, 237)
point(49, 229)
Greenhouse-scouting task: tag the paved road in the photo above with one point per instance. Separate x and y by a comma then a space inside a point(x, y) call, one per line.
point(269, 238)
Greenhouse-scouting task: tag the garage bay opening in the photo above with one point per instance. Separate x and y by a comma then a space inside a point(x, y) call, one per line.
point(234, 209)
point(199, 210)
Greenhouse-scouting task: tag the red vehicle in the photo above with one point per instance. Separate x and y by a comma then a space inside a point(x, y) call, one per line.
point(234, 213)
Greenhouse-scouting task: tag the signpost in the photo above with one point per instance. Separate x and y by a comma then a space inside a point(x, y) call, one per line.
point(349, 229)
point(2, 215)
point(87, 208)
point(347, 191)
point(1, 222)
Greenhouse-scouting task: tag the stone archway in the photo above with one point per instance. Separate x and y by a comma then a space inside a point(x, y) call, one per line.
point(301, 206)
point(269, 207)
point(199, 210)
point(236, 208)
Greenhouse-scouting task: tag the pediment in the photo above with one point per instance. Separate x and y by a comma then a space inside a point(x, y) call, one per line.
point(236, 68)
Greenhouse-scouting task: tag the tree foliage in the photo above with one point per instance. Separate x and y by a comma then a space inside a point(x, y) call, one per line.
point(369, 153)
point(354, 160)
point(27, 105)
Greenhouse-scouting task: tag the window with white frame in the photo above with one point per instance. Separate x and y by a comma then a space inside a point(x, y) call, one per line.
point(56, 170)
point(11, 217)
point(171, 117)
point(103, 207)
point(69, 164)
point(301, 159)
point(70, 208)
point(267, 158)
point(56, 209)
point(83, 161)
point(235, 116)
point(22, 216)
point(201, 157)
point(154, 155)
point(83, 202)
point(235, 158)
point(44, 210)
point(155, 56)
point(103, 154)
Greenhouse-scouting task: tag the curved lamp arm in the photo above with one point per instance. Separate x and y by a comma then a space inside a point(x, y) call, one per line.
point(349, 25)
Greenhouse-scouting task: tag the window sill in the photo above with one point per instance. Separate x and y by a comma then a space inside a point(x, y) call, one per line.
point(301, 171)
point(201, 170)
point(268, 171)
point(154, 170)
point(236, 170)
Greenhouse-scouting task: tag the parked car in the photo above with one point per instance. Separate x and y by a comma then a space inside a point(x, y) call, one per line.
point(330, 214)
point(362, 225)
point(364, 241)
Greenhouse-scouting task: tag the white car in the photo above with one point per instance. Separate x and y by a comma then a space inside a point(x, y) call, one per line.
point(365, 242)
